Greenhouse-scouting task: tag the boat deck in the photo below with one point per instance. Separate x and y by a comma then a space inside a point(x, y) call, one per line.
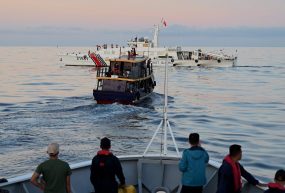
point(148, 174)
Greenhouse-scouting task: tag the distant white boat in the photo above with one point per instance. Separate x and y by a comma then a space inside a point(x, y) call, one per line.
point(79, 59)
point(144, 46)
point(150, 48)
point(204, 59)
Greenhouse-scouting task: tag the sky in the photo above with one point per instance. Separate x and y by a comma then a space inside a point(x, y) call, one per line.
point(189, 22)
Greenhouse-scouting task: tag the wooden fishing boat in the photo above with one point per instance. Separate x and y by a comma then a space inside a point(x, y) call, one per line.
point(128, 80)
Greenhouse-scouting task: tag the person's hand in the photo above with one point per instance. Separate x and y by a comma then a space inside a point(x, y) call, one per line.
point(262, 184)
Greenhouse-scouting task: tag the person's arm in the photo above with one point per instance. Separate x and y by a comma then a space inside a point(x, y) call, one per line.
point(68, 174)
point(207, 157)
point(34, 180)
point(92, 172)
point(68, 188)
point(225, 179)
point(248, 176)
point(119, 171)
point(183, 164)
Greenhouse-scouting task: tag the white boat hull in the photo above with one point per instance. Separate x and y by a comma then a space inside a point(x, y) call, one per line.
point(205, 63)
point(147, 174)
point(76, 60)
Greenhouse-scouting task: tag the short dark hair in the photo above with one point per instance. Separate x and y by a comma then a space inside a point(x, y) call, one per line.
point(235, 149)
point(194, 138)
point(105, 143)
point(280, 175)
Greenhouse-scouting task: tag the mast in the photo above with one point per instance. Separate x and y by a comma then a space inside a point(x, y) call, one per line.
point(155, 36)
point(164, 124)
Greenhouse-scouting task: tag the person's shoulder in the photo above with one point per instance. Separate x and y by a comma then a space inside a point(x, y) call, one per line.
point(46, 162)
point(186, 150)
point(114, 157)
point(197, 148)
point(63, 162)
point(95, 157)
point(225, 166)
point(203, 149)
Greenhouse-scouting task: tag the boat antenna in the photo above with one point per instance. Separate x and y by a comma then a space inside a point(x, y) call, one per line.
point(164, 124)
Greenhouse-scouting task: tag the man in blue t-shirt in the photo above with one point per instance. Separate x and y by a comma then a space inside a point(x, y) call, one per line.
point(193, 166)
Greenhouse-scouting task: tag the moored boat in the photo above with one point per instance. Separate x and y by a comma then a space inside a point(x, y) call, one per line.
point(128, 80)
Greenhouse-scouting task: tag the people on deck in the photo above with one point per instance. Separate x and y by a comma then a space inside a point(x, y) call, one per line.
point(105, 166)
point(231, 171)
point(193, 166)
point(55, 173)
point(278, 186)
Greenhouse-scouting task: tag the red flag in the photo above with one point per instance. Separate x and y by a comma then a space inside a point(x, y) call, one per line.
point(163, 22)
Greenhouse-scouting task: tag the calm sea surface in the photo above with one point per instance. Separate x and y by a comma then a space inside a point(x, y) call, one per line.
point(43, 101)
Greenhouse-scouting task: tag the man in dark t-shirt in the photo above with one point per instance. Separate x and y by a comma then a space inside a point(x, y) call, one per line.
point(105, 166)
point(55, 173)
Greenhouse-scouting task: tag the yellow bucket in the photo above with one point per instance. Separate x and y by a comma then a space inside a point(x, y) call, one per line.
point(127, 189)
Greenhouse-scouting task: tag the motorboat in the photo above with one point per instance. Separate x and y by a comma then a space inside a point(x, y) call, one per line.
point(204, 59)
point(128, 80)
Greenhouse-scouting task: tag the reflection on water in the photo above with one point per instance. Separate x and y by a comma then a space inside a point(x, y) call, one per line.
point(42, 101)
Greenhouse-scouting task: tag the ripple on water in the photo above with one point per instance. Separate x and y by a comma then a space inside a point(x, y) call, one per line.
point(43, 102)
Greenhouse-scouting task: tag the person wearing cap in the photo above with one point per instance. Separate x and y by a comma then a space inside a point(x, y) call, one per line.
point(193, 166)
point(231, 171)
point(104, 169)
point(55, 173)
point(279, 185)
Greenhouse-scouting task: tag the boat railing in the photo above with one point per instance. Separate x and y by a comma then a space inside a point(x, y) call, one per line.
point(106, 72)
point(103, 72)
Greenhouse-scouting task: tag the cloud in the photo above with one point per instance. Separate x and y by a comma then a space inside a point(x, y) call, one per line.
point(239, 36)
point(170, 36)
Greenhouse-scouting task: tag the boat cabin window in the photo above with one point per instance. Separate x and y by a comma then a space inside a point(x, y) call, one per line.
point(115, 68)
point(114, 85)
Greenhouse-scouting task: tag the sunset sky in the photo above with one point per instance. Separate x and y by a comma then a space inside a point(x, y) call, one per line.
point(85, 22)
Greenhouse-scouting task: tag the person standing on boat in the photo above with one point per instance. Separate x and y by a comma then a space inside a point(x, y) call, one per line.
point(105, 166)
point(55, 173)
point(193, 166)
point(279, 185)
point(231, 171)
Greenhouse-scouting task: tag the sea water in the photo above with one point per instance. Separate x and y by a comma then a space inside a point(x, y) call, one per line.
point(43, 101)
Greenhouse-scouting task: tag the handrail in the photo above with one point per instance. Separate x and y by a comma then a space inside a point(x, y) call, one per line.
point(123, 79)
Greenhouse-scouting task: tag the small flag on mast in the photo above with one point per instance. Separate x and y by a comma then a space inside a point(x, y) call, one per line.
point(163, 22)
